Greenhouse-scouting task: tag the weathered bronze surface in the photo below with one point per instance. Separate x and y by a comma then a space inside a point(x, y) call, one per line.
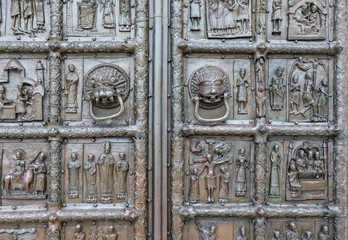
point(250, 130)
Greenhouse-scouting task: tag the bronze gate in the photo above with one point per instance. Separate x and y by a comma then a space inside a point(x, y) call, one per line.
point(197, 119)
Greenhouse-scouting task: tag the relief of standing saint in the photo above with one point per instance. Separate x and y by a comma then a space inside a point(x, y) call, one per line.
point(224, 184)
point(40, 175)
point(241, 180)
point(108, 13)
point(276, 16)
point(74, 182)
point(242, 93)
point(86, 15)
point(125, 16)
point(40, 15)
point(16, 16)
point(292, 233)
point(276, 159)
point(122, 168)
point(79, 234)
point(111, 235)
point(72, 81)
point(295, 95)
point(322, 100)
point(194, 185)
point(324, 233)
point(242, 234)
point(277, 90)
point(106, 164)
point(195, 14)
point(28, 15)
point(91, 178)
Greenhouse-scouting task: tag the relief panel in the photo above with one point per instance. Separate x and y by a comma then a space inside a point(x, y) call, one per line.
point(22, 89)
point(98, 90)
point(214, 229)
point(218, 170)
point(300, 90)
point(25, 168)
point(108, 19)
point(219, 90)
point(24, 19)
point(299, 170)
point(107, 230)
point(23, 231)
point(292, 229)
point(99, 172)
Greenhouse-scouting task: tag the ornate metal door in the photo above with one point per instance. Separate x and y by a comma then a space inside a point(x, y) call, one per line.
point(258, 115)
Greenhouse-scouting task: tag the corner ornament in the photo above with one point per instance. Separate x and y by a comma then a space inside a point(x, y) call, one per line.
point(106, 87)
point(210, 88)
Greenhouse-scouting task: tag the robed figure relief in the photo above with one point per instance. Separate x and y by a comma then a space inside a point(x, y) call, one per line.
point(122, 168)
point(324, 233)
point(107, 7)
point(74, 176)
point(322, 101)
point(276, 16)
point(242, 92)
point(91, 178)
point(241, 177)
point(242, 234)
point(86, 15)
point(106, 164)
point(79, 234)
point(111, 234)
point(195, 14)
point(276, 159)
point(40, 15)
point(124, 20)
point(276, 235)
point(28, 15)
point(277, 90)
point(207, 232)
point(292, 233)
point(295, 94)
point(72, 81)
point(16, 15)
point(194, 185)
point(260, 88)
point(224, 184)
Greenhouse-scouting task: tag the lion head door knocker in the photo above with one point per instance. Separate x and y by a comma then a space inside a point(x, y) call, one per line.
point(106, 87)
point(209, 88)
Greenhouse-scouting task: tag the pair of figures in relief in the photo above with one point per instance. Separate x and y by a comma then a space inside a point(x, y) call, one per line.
point(309, 18)
point(208, 232)
point(25, 13)
point(228, 18)
point(95, 234)
point(204, 160)
point(104, 167)
point(26, 177)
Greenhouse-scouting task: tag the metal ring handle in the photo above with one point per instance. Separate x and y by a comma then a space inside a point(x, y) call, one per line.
point(119, 113)
point(213, 120)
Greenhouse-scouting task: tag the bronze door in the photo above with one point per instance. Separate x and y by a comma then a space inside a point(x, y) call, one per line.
point(197, 119)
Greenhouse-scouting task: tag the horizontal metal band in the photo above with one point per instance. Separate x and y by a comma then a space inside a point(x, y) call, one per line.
point(218, 47)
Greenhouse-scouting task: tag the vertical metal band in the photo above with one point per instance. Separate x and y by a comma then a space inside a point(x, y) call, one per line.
point(56, 15)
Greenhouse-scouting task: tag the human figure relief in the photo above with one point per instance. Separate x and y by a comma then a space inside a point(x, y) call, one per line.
point(16, 15)
point(72, 81)
point(195, 14)
point(276, 16)
point(74, 176)
point(308, 93)
point(324, 233)
point(224, 184)
point(322, 102)
point(308, 235)
point(13, 178)
point(295, 95)
point(277, 90)
point(28, 15)
point(108, 13)
point(79, 234)
point(243, 17)
point(22, 101)
point(91, 178)
point(125, 16)
point(194, 185)
point(242, 93)
point(294, 181)
point(40, 172)
point(275, 235)
point(242, 234)
point(86, 15)
point(122, 168)
point(40, 15)
point(106, 164)
point(241, 180)
point(319, 165)
point(260, 88)
point(292, 233)
point(301, 161)
point(276, 158)
point(111, 234)
point(207, 232)
point(210, 178)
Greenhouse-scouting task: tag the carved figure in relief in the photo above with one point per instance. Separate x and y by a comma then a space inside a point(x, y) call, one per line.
point(242, 234)
point(324, 233)
point(74, 176)
point(276, 235)
point(22, 101)
point(13, 178)
point(106, 164)
point(293, 178)
point(122, 168)
point(243, 15)
point(277, 90)
point(125, 16)
point(86, 15)
point(308, 93)
point(276, 159)
point(301, 161)
point(241, 180)
point(210, 178)
point(79, 234)
point(40, 15)
point(3, 101)
point(194, 185)
point(91, 178)
point(308, 235)
point(108, 13)
point(111, 234)
point(292, 233)
point(28, 15)
point(276, 16)
point(72, 81)
point(322, 102)
point(260, 88)
point(224, 184)
point(295, 95)
point(40, 175)
point(309, 162)
point(242, 93)
point(20, 234)
point(207, 232)
point(195, 14)
point(16, 14)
